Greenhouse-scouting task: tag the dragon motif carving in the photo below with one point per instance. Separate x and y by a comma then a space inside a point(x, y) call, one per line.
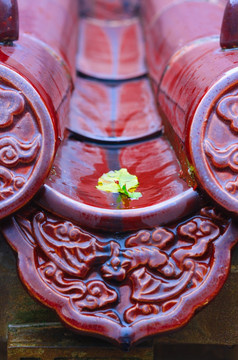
point(141, 311)
point(158, 267)
point(91, 295)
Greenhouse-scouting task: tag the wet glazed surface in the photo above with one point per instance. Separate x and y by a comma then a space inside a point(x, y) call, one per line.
point(176, 39)
point(35, 87)
point(114, 111)
point(79, 165)
point(71, 185)
point(116, 51)
point(113, 122)
point(114, 267)
point(217, 143)
point(193, 67)
point(61, 40)
point(123, 286)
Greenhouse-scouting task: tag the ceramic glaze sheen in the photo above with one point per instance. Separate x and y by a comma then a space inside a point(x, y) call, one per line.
point(116, 111)
point(35, 86)
point(110, 266)
point(111, 50)
point(71, 185)
point(124, 286)
point(193, 75)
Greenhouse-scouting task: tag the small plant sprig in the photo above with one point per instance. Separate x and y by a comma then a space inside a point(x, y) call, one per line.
point(119, 181)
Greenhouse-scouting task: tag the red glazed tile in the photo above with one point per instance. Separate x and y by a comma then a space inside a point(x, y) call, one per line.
point(111, 49)
point(178, 25)
point(124, 287)
point(114, 267)
point(53, 24)
point(114, 112)
point(26, 142)
point(216, 142)
point(35, 88)
point(189, 78)
point(193, 74)
point(218, 135)
point(70, 187)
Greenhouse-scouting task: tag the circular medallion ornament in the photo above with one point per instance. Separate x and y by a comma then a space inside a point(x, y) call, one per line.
point(27, 141)
point(213, 141)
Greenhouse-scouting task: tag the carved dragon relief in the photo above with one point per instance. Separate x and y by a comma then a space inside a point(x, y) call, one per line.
point(156, 270)
point(15, 153)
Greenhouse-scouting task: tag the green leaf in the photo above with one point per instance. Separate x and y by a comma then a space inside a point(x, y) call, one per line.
point(111, 187)
point(135, 195)
point(119, 181)
point(123, 190)
point(108, 182)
